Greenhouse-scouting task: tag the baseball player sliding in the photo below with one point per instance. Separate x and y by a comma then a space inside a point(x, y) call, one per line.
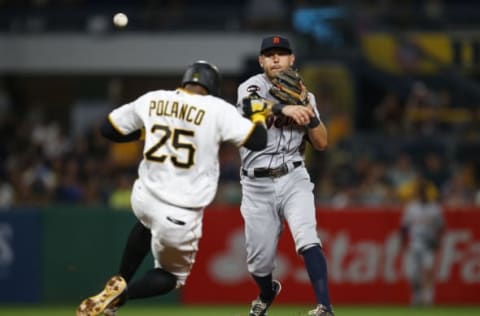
point(177, 178)
point(276, 186)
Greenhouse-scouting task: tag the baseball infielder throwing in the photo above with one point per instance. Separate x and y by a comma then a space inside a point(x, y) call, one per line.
point(177, 178)
point(276, 185)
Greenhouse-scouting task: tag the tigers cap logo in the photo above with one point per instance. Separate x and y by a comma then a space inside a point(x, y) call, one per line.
point(275, 41)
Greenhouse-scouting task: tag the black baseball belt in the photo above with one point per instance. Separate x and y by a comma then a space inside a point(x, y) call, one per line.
point(279, 171)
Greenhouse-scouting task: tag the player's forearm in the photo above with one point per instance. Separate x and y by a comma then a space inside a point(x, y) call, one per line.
point(257, 139)
point(108, 131)
point(318, 136)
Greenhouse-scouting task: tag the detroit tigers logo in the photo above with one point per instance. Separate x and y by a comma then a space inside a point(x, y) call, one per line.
point(281, 121)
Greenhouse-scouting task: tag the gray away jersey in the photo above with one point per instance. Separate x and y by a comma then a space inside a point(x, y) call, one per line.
point(284, 137)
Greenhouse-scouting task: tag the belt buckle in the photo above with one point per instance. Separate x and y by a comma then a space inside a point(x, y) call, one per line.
point(278, 172)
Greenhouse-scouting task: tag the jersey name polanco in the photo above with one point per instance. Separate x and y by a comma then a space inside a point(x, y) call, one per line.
point(284, 137)
point(183, 132)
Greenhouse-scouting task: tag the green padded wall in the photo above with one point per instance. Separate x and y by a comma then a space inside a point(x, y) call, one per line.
point(82, 248)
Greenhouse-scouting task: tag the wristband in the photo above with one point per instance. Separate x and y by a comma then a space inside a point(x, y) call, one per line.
point(314, 122)
point(277, 108)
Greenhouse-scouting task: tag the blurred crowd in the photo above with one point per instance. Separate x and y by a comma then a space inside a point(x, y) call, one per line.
point(419, 136)
point(42, 163)
point(372, 181)
point(378, 151)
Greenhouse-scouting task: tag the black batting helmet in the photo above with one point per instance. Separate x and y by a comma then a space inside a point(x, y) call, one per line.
point(205, 74)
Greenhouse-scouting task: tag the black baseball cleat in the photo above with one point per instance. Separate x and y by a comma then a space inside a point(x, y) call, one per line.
point(321, 310)
point(259, 307)
point(98, 304)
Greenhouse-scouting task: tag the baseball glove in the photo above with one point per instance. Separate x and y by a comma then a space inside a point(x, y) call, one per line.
point(288, 88)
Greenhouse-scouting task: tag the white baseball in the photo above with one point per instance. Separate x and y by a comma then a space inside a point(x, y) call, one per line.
point(120, 20)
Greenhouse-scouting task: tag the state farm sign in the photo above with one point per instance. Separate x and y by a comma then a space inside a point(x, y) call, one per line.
point(461, 252)
point(365, 260)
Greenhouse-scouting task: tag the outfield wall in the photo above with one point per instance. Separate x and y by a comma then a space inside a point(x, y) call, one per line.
point(62, 254)
point(365, 260)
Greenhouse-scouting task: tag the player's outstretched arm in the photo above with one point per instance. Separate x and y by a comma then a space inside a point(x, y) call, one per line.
point(258, 138)
point(110, 132)
point(257, 110)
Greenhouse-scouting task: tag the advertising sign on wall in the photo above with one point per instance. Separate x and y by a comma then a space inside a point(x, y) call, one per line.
point(20, 256)
point(366, 260)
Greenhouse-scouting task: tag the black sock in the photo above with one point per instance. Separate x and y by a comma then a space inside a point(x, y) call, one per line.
point(136, 249)
point(316, 266)
point(265, 286)
point(153, 283)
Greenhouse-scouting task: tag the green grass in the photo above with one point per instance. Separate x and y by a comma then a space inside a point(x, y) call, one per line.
point(221, 310)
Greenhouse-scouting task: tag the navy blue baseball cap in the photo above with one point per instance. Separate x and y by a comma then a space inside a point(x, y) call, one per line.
point(275, 42)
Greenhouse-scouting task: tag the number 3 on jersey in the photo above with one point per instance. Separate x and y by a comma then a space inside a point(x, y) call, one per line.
point(176, 137)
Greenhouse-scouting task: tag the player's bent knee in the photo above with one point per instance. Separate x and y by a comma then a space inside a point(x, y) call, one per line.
point(261, 270)
point(164, 280)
